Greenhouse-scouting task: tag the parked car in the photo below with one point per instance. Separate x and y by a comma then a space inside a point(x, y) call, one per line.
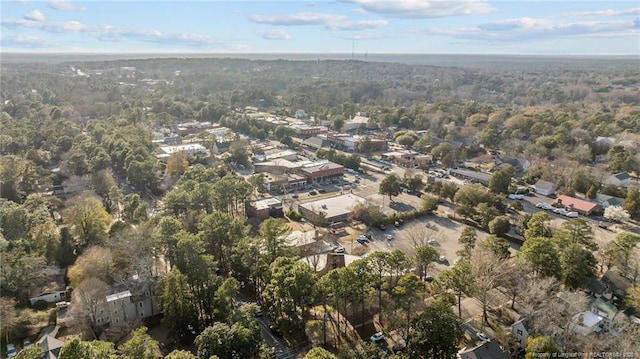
point(429, 278)
point(397, 224)
point(312, 193)
point(383, 227)
point(442, 259)
point(560, 211)
point(482, 336)
point(376, 337)
point(26, 343)
point(389, 237)
point(340, 249)
point(369, 236)
point(294, 196)
point(258, 311)
point(431, 242)
point(572, 214)
point(11, 351)
point(362, 240)
point(515, 196)
point(322, 190)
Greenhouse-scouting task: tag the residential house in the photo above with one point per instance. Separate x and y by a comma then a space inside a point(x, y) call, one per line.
point(603, 308)
point(545, 188)
point(125, 305)
point(519, 164)
point(51, 346)
point(520, 331)
point(489, 349)
point(622, 179)
point(265, 208)
point(616, 282)
point(583, 207)
point(586, 323)
point(473, 176)
point(608, 201)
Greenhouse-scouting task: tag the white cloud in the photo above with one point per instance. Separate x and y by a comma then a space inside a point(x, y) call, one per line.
point(22, 1)
point(61, 5)
point(424, 8)
point(34, 15)
point(358, 25)
point(304, 18)
point(530, 29)
point(329, 21)
point(26, 42)
point(633, 12)
point(273, 34)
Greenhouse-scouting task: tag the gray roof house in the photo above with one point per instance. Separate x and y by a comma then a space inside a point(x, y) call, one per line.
point(489, 349)
point(520, 331)
point(545, 188)
point(622, 179)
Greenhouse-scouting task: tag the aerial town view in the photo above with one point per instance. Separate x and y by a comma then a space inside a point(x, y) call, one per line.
point(258, 193)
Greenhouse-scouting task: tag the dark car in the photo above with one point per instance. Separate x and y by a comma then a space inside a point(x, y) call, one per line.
point(429, 278)
point(322, 190)
point(275, 330)
point(362, 240)
point(312, 193)
point(369, 236)
point(383, 227)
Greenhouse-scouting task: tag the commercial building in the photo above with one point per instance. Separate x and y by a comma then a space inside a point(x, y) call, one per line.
point(305, 131)
point(330, 210)
point(265, 208)
point(472, 176)
point(321, 172)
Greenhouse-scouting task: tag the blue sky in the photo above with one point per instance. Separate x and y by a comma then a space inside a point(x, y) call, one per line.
point(296, 26)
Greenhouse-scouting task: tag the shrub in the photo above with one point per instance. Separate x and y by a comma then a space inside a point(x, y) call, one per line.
point(40, 305)
point(293, 215)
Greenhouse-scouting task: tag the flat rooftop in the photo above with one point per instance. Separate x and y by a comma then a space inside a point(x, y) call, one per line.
point(266, 203)
point(334, 206)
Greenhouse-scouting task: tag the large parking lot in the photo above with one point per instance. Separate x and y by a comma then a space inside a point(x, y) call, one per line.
point(415, 233)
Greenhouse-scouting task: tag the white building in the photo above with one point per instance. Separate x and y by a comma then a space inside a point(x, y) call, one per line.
point(190, 149)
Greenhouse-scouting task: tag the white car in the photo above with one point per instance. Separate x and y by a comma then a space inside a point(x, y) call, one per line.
point(26, 343)
point(516, 196)
point(376, 337)
point(389, 237)
point(482, 336)
point(431, 242)
point(572, 214)
point(541, 205)
point(561, 211)
point(11, 351)
point(442, 259)
point(339, 249)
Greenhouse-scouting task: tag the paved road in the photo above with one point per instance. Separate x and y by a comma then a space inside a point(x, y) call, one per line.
point(280, 346)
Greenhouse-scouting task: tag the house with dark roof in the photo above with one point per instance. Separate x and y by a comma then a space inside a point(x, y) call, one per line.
point(622, 179)
point(489, 349)
point(583, 207)
point(605, 200)
point(545, 188)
